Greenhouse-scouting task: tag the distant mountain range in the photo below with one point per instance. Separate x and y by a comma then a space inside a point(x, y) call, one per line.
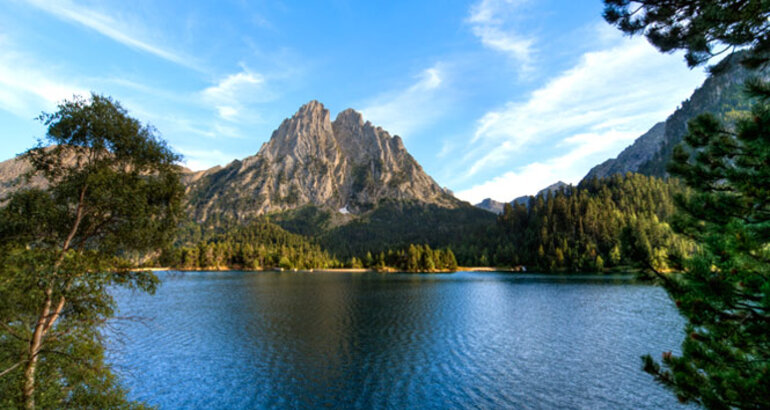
point(347, 182)
point(354, 186)
point(496, 207)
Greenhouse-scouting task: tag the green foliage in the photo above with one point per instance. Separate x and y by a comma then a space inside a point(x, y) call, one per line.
point(725, 290)
point(413, 258)
point(704, 28)
point(591, 227)
point(113, 192)
point(258, 245)
point(396, 224)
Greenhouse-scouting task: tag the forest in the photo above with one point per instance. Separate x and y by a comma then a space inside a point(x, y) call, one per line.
point(606, 223)
point(620, 222)
point(262, 244)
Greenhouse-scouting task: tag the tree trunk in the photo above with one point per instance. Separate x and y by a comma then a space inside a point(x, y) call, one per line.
point(28, 391)
point(48, 318)
point(44, 323)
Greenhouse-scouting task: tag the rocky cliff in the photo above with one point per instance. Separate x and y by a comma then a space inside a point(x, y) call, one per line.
point(348, 166)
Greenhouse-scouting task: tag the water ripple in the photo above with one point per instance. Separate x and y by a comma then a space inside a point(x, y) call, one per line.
point(300, 340)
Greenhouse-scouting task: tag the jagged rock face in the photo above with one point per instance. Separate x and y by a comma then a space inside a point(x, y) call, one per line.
point(557, 186)
point(347, 165)
point(11, 172)
point(634, 156)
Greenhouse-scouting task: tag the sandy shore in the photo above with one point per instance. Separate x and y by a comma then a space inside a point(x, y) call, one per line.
point(485, 269)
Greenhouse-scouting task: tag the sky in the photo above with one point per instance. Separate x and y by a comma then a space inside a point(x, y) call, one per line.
point(494, 98)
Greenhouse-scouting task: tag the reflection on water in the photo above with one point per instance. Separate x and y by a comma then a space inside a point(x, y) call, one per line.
point(246, 340)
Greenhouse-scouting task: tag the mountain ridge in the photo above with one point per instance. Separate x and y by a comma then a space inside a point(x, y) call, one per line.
point(497, 207)
point(721, 94)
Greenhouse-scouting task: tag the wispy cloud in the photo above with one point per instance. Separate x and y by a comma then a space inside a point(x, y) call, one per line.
point(583, 151)
point(200, 159)
point(489, 20)
point(108, 26)
point(610, 97)
point(25, 88)
point(623, 87)
point(405, 111)
point(232, 93)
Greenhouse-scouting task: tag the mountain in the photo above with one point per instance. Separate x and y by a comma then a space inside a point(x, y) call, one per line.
point(721, 94)
point(14, 170)
point(496, 207)
point(347, 166)
point(491, 205)
point(550, 188)
point(348, 184)
point(634, 156)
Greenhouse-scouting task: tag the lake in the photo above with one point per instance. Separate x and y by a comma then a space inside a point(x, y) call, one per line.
point(241, 340)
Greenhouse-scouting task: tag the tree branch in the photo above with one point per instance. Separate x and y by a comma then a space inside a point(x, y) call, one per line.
point(10, 369)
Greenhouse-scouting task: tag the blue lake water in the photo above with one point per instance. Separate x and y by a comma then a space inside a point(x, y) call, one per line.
point(239, 340)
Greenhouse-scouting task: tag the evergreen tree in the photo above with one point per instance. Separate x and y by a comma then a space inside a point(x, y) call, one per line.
point(724, 292)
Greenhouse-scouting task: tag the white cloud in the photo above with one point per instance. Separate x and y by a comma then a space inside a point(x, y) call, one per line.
point(607, 99)
point(488, 20)
point(201, 159)
point(446, 147)
point(584, 150)
point(627, 87)
point(26, 89)
point(231, 96)
point(406, 111)
point(107, 26)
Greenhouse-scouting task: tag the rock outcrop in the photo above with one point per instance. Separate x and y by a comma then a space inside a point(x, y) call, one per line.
point(491, 205)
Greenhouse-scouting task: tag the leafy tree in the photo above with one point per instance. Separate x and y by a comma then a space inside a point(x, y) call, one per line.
point(724, 292)
point(113, 192)
point(284, 263)
point(256, 245)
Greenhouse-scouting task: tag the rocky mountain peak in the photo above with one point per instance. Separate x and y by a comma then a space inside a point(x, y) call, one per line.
point(348, 164)
point(312, 109)
point(350, 117)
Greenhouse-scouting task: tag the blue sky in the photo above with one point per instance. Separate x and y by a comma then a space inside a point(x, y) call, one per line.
point(495, 98)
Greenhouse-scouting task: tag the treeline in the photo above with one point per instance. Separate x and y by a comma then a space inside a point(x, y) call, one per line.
point(601, 224)
point(259, 245)
point(414, 258)
point(265, 245)
point(391, 225)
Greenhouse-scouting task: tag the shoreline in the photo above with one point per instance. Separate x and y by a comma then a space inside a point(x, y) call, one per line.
point(330, 270)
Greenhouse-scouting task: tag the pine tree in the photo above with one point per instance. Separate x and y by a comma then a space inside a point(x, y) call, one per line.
point(724, 291)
